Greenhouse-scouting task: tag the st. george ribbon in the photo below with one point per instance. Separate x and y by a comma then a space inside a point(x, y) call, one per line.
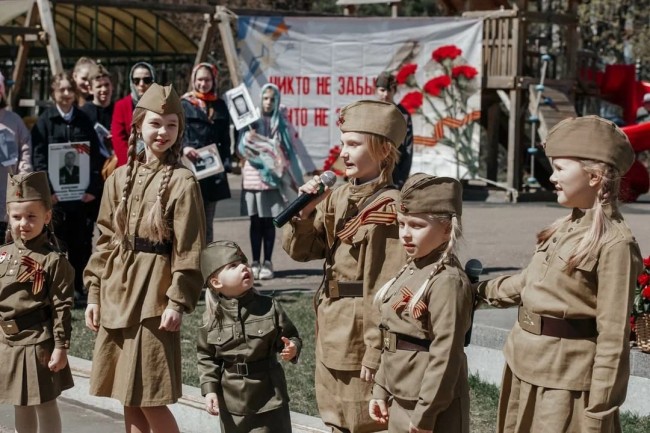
point(327, 179)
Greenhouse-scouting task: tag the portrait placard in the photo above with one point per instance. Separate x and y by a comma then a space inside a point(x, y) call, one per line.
point(208, 163)
point(240, 106)
point(69, 169)
point(8, 148)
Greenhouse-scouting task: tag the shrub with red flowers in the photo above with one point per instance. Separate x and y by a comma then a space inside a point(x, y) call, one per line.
point(642, 298)
point(442, 101)
point(331, 161)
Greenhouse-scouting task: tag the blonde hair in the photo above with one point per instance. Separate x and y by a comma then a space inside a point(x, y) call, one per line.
point(455, 235)
point(383, 150)
point(153, 227)
point(600, 230)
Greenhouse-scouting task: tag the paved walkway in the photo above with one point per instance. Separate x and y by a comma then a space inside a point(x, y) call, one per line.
point(501, 235)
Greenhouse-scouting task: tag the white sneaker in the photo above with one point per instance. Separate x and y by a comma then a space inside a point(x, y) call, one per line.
point(255, 267)
point(266, 273)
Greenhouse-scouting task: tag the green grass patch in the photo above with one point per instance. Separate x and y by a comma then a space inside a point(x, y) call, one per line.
point(300, 376)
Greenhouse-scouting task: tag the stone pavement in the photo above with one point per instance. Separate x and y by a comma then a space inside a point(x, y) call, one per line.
point(501, 235)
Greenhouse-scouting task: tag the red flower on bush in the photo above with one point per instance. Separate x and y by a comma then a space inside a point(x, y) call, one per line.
point(646, 262)
point(405, 72)
point(643, 279)
point(646, 292)
point(331, 160)
point(412, 101)
point(446, 52)
point(466, 71)
point(435, 85)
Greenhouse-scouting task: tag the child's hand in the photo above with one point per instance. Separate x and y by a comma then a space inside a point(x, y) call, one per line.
point(378, 411)
point(312, 187)
point(92, 317)
point(58, 360)
point(212, 404)
point(367, 374)
point(414, 429)
point(171, 320)
point(289, 351)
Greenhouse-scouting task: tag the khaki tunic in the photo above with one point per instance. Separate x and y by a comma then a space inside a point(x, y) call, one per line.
point(25, 378)
point(601, 288)
point(245, 330)
point(432, 385)
point(131, 286)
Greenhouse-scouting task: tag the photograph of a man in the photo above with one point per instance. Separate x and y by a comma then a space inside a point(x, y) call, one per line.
point(69, 172)
point(8, 149)
point(240, 105)
point(204, 162)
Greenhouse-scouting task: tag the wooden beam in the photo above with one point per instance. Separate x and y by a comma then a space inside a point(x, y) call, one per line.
point(514, 137)
point(21, 59)
point(16, 31)
point(52, 45)
point(229, 48)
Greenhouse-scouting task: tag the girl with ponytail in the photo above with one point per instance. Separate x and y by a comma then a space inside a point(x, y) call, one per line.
point(145, 273)
point(568, 353)
point(425, 313)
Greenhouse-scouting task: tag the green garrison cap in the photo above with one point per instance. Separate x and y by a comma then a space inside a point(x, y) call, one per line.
point(161, 100)
point(590, 137)
point(375, 117)
point(423, 193)
point(29, 187)
point(219, 254)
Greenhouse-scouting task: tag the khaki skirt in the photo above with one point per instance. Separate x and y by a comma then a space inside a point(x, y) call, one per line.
point(25, 378)
point(527, 408)
point(139, 366)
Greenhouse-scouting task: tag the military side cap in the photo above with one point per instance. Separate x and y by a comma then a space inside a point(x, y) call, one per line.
point(386, 80)
point(161, 100)
point(374, 117)
point(590, 137)
point(29, 187)
point(423, 193)
point(219, 254)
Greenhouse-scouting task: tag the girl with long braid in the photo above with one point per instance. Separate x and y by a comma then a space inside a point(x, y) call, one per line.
point(145, 273)
point(425, 313)
point(567, 356)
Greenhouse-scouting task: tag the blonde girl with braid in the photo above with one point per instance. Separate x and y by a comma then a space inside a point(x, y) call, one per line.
point(421, 385)
point(145, 273)
point(567, 356)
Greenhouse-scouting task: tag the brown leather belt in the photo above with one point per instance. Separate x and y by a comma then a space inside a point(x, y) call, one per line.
point(393, 341)
point(146, 246)
point(247, 368)
point(553, 327)
point(344, 289)
point(26, 321)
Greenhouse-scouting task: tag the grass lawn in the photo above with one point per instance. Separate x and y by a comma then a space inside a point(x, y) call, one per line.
point(300, 377)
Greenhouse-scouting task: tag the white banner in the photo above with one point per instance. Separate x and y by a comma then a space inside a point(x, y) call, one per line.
point(323, 64)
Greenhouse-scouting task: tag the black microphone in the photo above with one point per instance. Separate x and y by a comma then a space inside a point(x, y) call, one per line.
point(473, 269)
point(327, 179)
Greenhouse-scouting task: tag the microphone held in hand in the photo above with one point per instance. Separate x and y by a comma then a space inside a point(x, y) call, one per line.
point(327, 179)
point(473, 269)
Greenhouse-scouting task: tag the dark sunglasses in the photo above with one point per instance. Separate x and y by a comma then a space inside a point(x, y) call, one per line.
point(145, 80)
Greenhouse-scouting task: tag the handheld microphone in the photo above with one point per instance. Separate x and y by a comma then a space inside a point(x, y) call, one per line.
point(473, 269)
point(327, 179)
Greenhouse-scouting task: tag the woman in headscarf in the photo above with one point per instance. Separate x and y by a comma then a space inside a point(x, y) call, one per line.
point(271, 174)
point(207, 122)
point(141, 76)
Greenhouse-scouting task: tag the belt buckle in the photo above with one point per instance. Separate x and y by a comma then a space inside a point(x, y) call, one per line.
point(529, 321)
point(9, 327)
point(390, 341)
point(242, 368)
point(333, 289)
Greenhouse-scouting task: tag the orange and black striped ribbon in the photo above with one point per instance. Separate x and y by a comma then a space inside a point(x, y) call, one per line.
point(33, 269)
point(420, 307)
point(370, 215)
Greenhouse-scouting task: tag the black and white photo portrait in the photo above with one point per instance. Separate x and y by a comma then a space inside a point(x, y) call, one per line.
point(69, 171)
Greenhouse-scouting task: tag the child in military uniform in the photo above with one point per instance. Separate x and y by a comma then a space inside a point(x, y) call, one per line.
point(425, 313)
point(36, 294)
point(354, 228)
point(567, 357)
point(145, 273)
point(242, 331)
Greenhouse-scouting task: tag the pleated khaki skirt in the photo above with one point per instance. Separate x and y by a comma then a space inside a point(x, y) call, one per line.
point(25, 378)
point(527, 408)
point(139, 366)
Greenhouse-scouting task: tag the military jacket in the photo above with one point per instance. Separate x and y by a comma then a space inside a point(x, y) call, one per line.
point(17, 298)
point(245, 330)
point(432, 378)
point(131, 286)
point(601, 288)
point(348, 333)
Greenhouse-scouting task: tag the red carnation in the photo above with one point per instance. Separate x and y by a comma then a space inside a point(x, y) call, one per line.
point(466, 71)
point(646, 262)
point(646, 292)
point(412, 101)
point(446, 52)
point(435, 85)
point(405, 73)
point(643, 279)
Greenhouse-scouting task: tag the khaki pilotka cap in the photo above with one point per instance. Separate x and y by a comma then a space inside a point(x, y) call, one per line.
point(423, 193)
point(590, 137)
point(219, 254)
point(161, 100)
point(374, 117)
point(29, 187)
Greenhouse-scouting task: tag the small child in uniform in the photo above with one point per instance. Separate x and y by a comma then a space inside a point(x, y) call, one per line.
point(567, 356)
point(242, 332)
point(36, 295)
point(425, 313)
